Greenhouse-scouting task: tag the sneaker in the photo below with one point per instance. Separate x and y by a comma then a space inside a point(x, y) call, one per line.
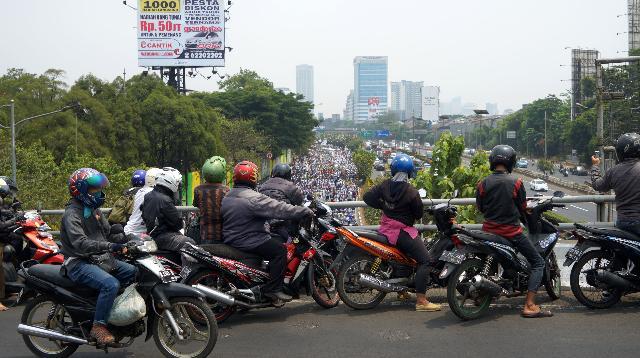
point(101, 334)
point(429, 307)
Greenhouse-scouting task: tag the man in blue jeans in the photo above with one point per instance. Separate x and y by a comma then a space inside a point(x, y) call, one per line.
point(86, 233)
point(623, 179)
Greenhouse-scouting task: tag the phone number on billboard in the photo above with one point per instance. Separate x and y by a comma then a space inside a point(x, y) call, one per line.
point(215, 55)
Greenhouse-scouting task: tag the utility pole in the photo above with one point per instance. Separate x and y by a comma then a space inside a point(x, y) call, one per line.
point(13, 141)
point(545, 135)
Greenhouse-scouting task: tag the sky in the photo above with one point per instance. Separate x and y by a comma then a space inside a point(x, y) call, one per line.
point(504, 51)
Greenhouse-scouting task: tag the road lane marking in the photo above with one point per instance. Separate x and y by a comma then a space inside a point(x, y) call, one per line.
point(579, 208)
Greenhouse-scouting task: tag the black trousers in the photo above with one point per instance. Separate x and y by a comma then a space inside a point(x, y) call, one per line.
point(275, 252)
point(415, 249)
point(526, 248)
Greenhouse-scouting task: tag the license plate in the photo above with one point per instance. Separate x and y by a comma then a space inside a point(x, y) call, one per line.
point(184, 273)
point(454, 256)
point(167, 276)
point(574, 253)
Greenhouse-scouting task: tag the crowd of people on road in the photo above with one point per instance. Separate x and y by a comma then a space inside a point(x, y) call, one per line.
point(328, 173)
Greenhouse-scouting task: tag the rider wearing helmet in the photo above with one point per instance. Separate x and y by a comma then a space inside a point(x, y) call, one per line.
point(123, 207)
point(85, 235)
point(502, 198)
point(401, 206)
point(208, 198)
point(135, 224)
point(280, 187)
point(623, 179)
point(159, 212)
point(7, 225)
point(244, 212)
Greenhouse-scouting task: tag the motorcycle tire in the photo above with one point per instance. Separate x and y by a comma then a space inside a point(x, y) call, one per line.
point(317, 289)
point(481, 304)
point(65, 349)
point(212, 279)
point(553, 283)
point(210, 318)
point(613, 295)
point(340, 284)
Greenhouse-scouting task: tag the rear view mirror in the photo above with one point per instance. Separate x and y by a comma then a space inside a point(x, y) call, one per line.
point(422, 192)
point(456, 193)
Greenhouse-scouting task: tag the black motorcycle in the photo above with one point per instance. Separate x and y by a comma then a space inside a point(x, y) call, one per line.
point(486, 266)
point(59, 319)
point(606, 265)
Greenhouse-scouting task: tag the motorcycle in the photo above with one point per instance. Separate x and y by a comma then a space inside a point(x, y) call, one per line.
point(564, 172)
point(59, 319)
point(605, 265)
point(375, 268)
point(231, 278)
point(486, 266)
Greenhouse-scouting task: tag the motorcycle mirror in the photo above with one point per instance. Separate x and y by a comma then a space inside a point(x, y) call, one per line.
point(455, 193)
point(558, 194)
point(422, 192)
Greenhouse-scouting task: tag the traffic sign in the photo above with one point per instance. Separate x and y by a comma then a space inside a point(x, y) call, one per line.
point(511, 134)
point(269, 155)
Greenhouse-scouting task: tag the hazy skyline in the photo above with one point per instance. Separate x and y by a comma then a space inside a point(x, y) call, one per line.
point(501, 51)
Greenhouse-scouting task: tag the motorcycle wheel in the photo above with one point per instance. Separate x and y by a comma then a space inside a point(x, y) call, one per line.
point(322, 284)
point(165, 337)
point(458, 297)
point(349, 289)
point(553, 284)
point(587, 294)
point(36, 313)
point(212, 279)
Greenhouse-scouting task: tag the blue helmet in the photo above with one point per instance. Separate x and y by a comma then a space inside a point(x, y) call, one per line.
point(137, 179)
point(402, 163)
point(81, 183)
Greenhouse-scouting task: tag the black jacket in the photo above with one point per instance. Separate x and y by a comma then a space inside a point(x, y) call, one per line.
point(397, 200)
point(282, 190)
point(502, 198)
point(624, 179)
point(159, 212)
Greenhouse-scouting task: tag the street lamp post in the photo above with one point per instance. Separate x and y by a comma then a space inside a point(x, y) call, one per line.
point(13, 124)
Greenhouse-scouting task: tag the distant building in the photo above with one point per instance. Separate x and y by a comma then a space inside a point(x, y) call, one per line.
point(468, 107)
point(507, 111)
point(348, 110)
point(634, 24)
point(304, 81)
point(406, 99)
point(430, 103)
point(455, 106)
point(335, 117)
point(284, 90)
point(492, 108)
point(320, 116)
point(583, 65)
point(370, 87)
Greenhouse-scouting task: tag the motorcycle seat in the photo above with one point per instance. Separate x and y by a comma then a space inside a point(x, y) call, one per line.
point(229, 252)
point(609, 231)
point(373, 235)
point(482, 235)
point(52, 274)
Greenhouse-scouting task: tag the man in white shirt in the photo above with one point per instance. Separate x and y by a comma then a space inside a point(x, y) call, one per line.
point(136, 225)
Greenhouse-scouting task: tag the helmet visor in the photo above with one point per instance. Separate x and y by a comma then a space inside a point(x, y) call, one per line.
point(98, 182)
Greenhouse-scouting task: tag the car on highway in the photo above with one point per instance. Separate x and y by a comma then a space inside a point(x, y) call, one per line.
point(208, 40)
point(379, 166)
point(579, 171)
point(522, 163)
point(538, 185)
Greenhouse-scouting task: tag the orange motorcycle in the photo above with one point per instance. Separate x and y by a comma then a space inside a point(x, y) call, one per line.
point(370, 267)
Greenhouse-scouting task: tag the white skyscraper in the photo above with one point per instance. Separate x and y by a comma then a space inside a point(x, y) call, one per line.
point(406, 99)
point(304, 81)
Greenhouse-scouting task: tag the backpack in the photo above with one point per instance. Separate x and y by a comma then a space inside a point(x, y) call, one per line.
point(123, 207)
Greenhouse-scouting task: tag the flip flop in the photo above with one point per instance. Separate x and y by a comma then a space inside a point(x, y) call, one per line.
point(3, 308)
point(539, 314)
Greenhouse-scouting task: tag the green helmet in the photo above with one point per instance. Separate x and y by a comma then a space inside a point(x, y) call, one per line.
point(214, 170)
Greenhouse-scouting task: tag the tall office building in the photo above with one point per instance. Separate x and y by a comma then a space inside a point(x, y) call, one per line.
point(348, 110)
point(406, 99)
point(492, 108)
point(583, 65)
point(370, 87)
point(634, 24)
point(304, 81)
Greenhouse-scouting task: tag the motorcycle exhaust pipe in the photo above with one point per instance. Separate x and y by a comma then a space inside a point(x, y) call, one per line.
point(47, 333)
point(479, 283)
point(216, 295)
point(613, 280)
point(380, 285)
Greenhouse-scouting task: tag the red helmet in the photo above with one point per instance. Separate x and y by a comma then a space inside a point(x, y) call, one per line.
point(246, 172)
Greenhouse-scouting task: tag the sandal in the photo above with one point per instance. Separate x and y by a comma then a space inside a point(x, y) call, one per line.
point(539, 314)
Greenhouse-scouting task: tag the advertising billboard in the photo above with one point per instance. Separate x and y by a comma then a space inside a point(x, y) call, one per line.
point(373, 105)
point(182, 33)
point(431, 103)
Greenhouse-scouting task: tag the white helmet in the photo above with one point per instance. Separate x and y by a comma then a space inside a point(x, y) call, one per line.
point(150, 178)
point(169, 178)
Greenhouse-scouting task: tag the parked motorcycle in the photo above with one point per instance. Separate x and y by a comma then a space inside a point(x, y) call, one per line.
point(231, 278)
point(374, 267)
point(486, 266)
point(59, 319)
point(606, 265)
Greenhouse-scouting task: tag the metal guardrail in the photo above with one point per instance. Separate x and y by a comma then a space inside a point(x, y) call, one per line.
point(599, 200)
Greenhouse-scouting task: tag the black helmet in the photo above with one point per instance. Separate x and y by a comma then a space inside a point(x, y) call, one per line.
point(281, 170)
point(502, 154)
point(628, 146)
